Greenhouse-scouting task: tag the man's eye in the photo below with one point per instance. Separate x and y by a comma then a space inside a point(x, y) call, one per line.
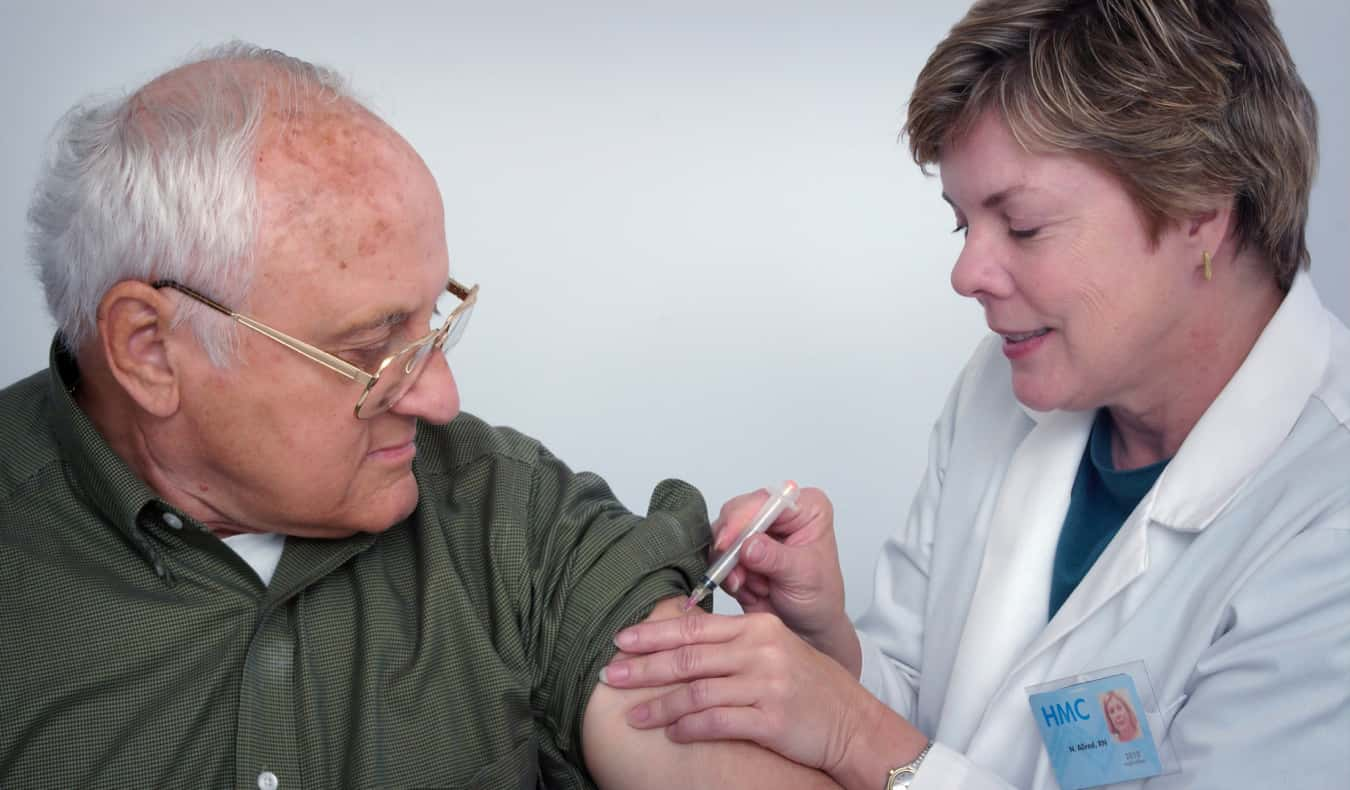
point(364, 358)
point(964, 230)
point(1023, 234)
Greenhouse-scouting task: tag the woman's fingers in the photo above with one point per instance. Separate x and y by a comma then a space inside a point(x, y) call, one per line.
point(718, 724)
point(687, 662)
point(700, 695)
point(757, 585)
point(742, 578)
point(765, 685)
point(648, 637)
point(812, 516)
point(735, 514)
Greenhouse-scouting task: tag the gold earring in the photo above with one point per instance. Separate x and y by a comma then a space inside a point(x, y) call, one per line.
point(1209, 270)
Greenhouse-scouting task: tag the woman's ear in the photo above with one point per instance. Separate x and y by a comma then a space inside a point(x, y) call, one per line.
point(133, 328)
point(1211, 229)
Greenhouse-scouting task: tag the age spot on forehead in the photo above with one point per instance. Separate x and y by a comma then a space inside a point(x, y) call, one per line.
point(371, 241)
point(314, 172)
point(340, 189)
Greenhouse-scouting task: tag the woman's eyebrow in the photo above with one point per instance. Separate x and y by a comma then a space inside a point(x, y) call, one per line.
point(995, 200)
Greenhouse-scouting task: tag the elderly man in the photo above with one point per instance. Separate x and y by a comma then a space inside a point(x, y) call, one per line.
point(244, 538)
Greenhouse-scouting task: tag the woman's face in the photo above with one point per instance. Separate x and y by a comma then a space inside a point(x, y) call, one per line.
point(1091, 312)
point(1118, 714)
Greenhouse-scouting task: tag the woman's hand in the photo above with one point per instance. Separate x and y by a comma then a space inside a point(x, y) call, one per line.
point(792, 571)
point(750, 678)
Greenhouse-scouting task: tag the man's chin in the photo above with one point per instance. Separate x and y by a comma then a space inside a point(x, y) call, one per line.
point(378, 511)
point(399, 502)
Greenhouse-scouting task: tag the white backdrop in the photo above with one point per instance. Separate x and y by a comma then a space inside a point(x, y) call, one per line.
point(703, 252)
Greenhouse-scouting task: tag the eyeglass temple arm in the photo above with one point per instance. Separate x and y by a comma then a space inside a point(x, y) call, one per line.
point(317, 354)
point(199, 296)
point(460, 291)
point(320, 356)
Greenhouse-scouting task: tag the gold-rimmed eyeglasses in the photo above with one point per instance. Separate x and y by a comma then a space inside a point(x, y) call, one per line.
point(394, 376)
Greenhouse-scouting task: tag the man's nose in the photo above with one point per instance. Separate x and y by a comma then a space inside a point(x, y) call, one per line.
point(434, 397)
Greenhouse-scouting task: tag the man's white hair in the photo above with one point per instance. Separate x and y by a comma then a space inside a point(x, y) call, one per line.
point(159, 184)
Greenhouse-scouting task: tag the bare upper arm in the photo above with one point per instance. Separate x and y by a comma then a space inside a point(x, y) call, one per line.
point(619, 756)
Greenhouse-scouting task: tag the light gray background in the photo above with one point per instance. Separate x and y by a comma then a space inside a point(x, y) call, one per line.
point(702, 251)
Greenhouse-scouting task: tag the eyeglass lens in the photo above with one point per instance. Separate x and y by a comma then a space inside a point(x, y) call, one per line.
point(402, 372)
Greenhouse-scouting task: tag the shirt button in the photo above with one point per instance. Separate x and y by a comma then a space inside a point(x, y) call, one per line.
point(174, 522)
point(267, 781)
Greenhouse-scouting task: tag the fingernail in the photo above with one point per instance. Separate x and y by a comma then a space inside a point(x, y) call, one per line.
point(733, 584)
point(755, 551)
point(625, 639)
point(639, 714)
point(614, 673)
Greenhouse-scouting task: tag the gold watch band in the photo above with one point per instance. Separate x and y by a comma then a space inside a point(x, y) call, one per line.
point(904, 775)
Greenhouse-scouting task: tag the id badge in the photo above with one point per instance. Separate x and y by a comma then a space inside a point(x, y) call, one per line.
point(1098, 727)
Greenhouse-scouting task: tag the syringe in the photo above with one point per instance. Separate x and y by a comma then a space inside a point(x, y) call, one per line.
point(780, 498)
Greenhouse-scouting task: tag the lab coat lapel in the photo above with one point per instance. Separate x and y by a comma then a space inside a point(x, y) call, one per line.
point(1124, 560)
point(1008, 609)
point(1065, 646)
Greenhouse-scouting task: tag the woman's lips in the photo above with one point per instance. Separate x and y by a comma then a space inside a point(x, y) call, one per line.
point(1018, 345)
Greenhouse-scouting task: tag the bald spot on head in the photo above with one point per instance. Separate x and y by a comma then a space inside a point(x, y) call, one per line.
point(328, 180)
point(326, 168)
point(350, 220)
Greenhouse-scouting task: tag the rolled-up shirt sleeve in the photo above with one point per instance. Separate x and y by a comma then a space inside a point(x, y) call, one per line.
point(595, 568)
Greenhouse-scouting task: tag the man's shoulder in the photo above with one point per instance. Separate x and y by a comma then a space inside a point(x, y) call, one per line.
point(468, 439)
point(26, 443)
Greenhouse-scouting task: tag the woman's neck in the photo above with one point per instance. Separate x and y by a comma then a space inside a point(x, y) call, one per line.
point(1228, 318)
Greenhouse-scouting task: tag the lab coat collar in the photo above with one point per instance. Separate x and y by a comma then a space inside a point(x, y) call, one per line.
point(1252, 414)
point(1283, 368)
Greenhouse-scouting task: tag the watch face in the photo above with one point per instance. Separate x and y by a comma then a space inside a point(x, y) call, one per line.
point(904, 775)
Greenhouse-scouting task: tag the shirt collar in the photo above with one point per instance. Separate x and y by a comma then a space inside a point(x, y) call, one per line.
point(107, 484)
point(111, 488)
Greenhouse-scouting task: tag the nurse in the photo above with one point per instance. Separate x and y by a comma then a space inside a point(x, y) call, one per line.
point(1141, 480)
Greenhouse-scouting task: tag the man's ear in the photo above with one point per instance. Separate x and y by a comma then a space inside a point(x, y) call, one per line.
point(133, 330)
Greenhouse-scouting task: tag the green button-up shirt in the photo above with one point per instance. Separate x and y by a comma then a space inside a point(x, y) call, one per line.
point(457, 649)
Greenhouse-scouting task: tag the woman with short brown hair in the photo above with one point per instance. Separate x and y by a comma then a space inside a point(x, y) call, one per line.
point(1141, 475)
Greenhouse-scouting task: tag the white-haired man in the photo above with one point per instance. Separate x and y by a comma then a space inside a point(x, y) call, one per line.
point(245, 539)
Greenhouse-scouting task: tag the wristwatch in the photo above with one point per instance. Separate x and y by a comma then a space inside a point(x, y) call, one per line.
point(902, 776)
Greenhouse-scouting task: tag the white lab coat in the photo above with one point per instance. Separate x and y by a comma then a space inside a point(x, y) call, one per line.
point(1230, 580)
